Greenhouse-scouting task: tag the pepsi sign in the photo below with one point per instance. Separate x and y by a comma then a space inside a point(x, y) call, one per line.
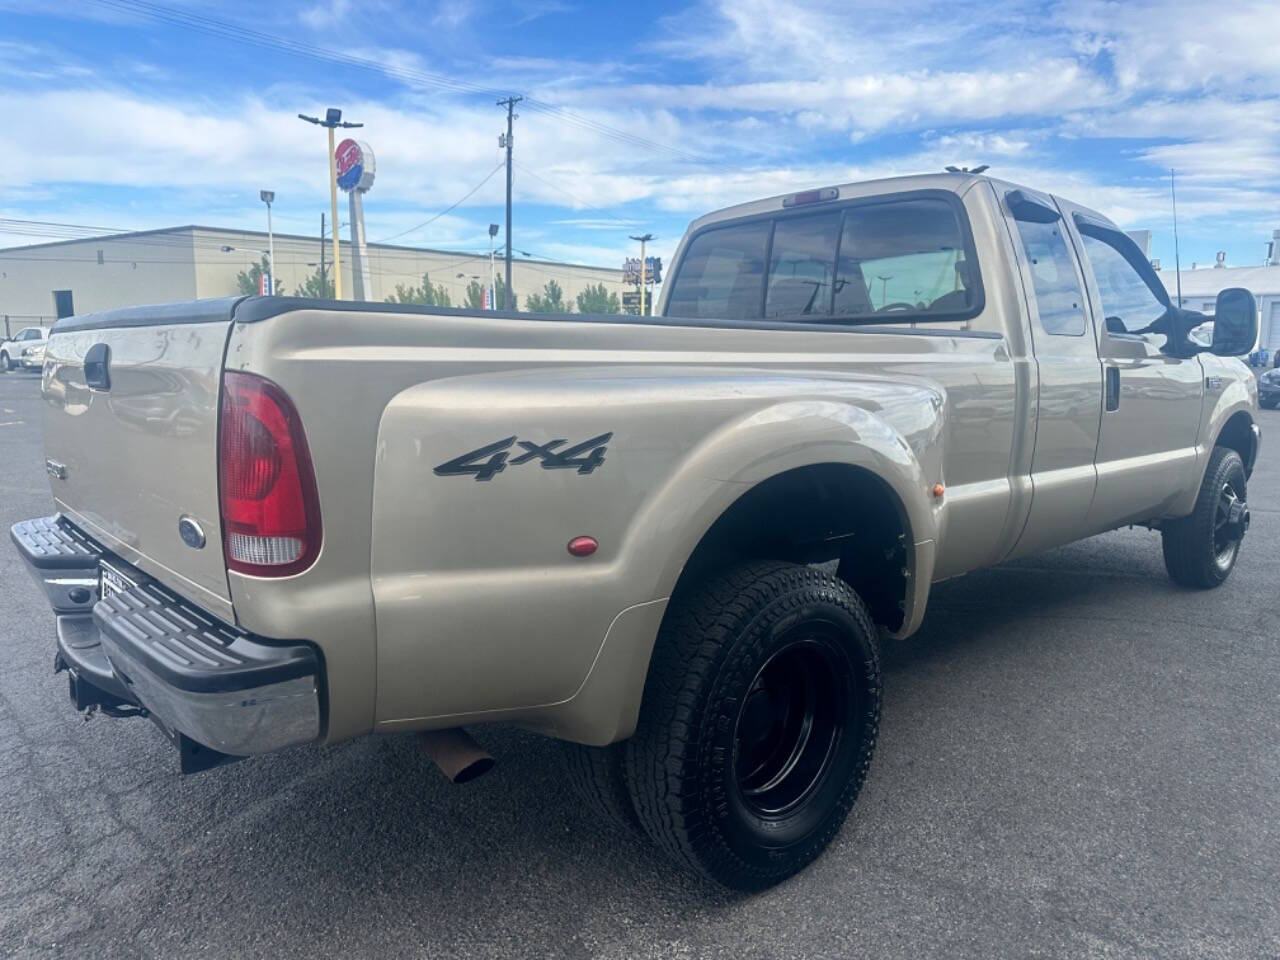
point(354, 163)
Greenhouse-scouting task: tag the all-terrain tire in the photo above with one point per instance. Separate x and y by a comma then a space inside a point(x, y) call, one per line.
point(598, 777)
point(683, 764)
point(1191, 555)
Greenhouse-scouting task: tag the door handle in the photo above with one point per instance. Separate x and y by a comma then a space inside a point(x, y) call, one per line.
point(1113, 388)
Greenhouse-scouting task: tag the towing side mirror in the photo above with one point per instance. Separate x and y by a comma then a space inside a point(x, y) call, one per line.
point(1235, 323)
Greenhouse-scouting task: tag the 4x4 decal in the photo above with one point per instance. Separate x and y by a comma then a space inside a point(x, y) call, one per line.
point(488, 461)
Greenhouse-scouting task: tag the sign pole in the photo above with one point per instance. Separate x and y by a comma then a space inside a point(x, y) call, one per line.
point(643, 240)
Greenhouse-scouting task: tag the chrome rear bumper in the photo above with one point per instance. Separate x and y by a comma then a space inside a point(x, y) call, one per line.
point(200, 679)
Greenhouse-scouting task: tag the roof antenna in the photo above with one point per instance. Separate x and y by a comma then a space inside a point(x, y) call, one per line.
point(1177, 264)
point(979, 169)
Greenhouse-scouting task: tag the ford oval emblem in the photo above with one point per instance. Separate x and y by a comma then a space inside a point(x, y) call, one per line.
point(191, 532)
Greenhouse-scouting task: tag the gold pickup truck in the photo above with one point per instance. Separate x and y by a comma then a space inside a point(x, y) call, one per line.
point(673, 542)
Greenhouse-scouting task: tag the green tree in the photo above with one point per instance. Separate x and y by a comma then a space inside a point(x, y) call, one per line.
point(598, 298)
point(318, 286)
point(248, 280)
point(429, 294)
point(551, 300)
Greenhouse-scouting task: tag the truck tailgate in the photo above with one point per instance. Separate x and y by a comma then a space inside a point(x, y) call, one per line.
point(132, 448)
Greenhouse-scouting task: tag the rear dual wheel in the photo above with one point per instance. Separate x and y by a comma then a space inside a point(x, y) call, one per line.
point(758, 723)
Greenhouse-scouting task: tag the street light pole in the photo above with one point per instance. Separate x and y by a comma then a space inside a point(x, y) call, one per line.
point(267, 196)
point(333, 119)
point(493, 271)
point(643, 240)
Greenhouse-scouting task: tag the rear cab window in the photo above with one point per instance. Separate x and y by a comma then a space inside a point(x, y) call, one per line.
point(884, 260)
point(721, 274)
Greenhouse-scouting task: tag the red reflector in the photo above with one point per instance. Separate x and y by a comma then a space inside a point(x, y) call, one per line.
point(270, 509)
point(583, 546)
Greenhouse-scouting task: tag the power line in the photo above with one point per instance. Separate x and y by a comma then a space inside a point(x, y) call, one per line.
point(240, 34)
point(574, 198)
point(466, 196)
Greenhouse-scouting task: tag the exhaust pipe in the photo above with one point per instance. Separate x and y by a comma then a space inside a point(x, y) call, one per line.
point(458, 756)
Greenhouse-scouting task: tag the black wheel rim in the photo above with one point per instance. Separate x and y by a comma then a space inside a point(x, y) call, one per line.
point(789, 725)
point(1229, 523)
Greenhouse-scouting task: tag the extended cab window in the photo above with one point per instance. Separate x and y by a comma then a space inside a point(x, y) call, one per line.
point(1128, 302)
point(721, 274)
point(1057, 288)
point(904, 256)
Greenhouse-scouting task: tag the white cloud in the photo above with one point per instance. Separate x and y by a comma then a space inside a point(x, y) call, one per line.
point(1091, 98)
point(325, 15)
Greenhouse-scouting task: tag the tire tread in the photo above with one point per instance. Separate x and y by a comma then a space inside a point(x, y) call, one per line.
point(1187, 543)
point(700, 626)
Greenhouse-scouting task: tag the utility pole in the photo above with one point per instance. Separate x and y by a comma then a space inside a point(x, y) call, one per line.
point(323, 275)
point(333, 119)
point(509, 103)
point(643, 240)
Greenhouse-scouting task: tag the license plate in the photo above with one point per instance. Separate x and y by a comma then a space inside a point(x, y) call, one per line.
point(113, 581)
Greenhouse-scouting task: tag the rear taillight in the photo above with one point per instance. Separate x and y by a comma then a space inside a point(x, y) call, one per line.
point(270, 510)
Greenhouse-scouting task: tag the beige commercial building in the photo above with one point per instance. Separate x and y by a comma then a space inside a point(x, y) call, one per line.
point(41, 282)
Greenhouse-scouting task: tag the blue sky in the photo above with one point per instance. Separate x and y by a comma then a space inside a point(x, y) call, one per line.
point(131, 114)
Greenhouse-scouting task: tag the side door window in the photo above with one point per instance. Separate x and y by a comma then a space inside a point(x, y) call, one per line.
point(1130, 306)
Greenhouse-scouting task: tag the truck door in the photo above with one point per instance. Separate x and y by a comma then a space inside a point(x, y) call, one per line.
point(1069, 401)
point(1151, 398)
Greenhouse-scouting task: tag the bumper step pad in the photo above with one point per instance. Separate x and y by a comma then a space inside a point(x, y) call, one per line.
point(52, 543)
point(191, 650)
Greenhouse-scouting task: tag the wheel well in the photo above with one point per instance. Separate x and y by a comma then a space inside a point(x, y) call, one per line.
point(1237, 433)
point(823, 513)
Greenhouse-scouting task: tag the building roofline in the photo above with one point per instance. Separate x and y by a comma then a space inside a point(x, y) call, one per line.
point(240, 232)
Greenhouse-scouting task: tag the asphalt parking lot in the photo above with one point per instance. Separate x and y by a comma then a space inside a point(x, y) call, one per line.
point(1077, 759)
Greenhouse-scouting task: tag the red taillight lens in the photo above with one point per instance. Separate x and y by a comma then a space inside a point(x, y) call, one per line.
point(270, 510)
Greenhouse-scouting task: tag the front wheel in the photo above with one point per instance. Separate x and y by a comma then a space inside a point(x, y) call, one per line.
point(1201, 550)
point(758, 722)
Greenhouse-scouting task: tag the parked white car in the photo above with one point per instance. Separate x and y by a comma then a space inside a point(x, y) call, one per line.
point(26, 350)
